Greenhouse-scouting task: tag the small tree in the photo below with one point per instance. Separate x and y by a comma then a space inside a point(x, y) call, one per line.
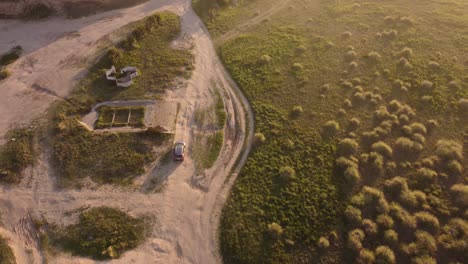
point(384, 255)
point(275, 230)
point(287, 173)
point(323, 243)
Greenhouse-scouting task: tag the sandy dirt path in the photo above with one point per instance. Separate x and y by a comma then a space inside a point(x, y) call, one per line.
point(187, 210)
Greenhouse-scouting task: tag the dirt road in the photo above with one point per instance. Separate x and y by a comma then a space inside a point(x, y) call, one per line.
point(188, 208)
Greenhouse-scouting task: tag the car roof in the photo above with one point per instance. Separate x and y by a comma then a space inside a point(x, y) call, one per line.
point(179, 149)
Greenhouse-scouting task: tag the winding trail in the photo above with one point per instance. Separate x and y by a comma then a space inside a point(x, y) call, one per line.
point(188, 209)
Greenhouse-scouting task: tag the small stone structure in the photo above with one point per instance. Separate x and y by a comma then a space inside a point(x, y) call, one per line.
point(129, 72)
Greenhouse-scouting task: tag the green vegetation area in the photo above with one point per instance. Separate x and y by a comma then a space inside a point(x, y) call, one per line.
point(207, 146)
point(101, 233)
point(8, 58)
point(109, 157)
point(16, 155)
point(11, 56)
point(6, 253)
point(120, 117)
point(360, 110)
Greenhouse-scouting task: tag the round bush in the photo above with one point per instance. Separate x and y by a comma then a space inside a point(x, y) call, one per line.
point(259, 138)
point(418, 128)
point(366, 257)
point(287, 173)
point(265, 59)
point(423, 260)
point(449, 150)
point(384, 255)
point(297, 67)
point(391, 237)
point(369, 227)
point(383, 149)
point(454, 236)
point(353, 124)
point(406, 52)
point(297, 110)
point(455, 168)
point(330, 128)
point(418, 138)
point(351, 55)
point(394, 187)
point(427, 222)
point(374, 57)
point(353, 215)
point(427, 86)
point(352, 175)
point(275, 230)
point(355, 238)
point(425, 243)
point(402, 217)
point(405, 148)
point(346, 35)
point(385, 221)
point(431, 125)
point(434, 65)
point(347, 147)
point(424, 176)
point(463, 105)
point(344, 163)
point(6, 253)
point(323, 243)
point(459, 193)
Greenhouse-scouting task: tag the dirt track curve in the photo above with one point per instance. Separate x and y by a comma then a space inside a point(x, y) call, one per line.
point(188, 208)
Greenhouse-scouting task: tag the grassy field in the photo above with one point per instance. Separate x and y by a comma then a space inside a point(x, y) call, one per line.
point(16, 155)
point(112, 231)
point(360, 115)
point(117, 158)
point(6, 253)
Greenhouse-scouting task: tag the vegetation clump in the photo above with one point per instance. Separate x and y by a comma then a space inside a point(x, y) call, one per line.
point(11, 56)
point(103, 233)
point(330, 128)
point(16, 155)
point(6, 253)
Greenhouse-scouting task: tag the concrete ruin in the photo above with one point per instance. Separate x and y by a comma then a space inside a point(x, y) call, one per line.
point(129, 73)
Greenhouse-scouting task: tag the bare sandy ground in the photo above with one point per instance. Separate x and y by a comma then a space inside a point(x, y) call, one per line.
point(187, 210)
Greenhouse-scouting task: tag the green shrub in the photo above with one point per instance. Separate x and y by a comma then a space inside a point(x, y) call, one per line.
point(4, 73)
point(350, 55)
point(355, 238)
point(353, 215)
point(287, 173)
point(265, 59)
point(343, 162)
point(384, 255)
point(353, 124)
point(352, 175)
point(275, 230)
point(346, 35)
point(449, 150)
point(394, 187)
point(424, 176)
point(434, 66)
point(406, 52)
point(16, 155)
point(463, 105)
point(391, 237)
point(424, 244)
point(323, 243)
point(385, 221)
point(373, 57)
point(370, 227)
point(416, 137)
point(423, 260)
point(259, 138)
point(402, 217)
point(408, 199)
point(347, 147)
point(383, 149)
point(459, 193)
point(455, 168)
point(454, 236)
point(11, 56)
point(297, 111)
point(427, 222)
point(330, 128)
point(418, 128)
point(366, 256)
point(406, 149)
point(6, 253)
point(426, 86)
point(38, 11)
point(112, 231)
